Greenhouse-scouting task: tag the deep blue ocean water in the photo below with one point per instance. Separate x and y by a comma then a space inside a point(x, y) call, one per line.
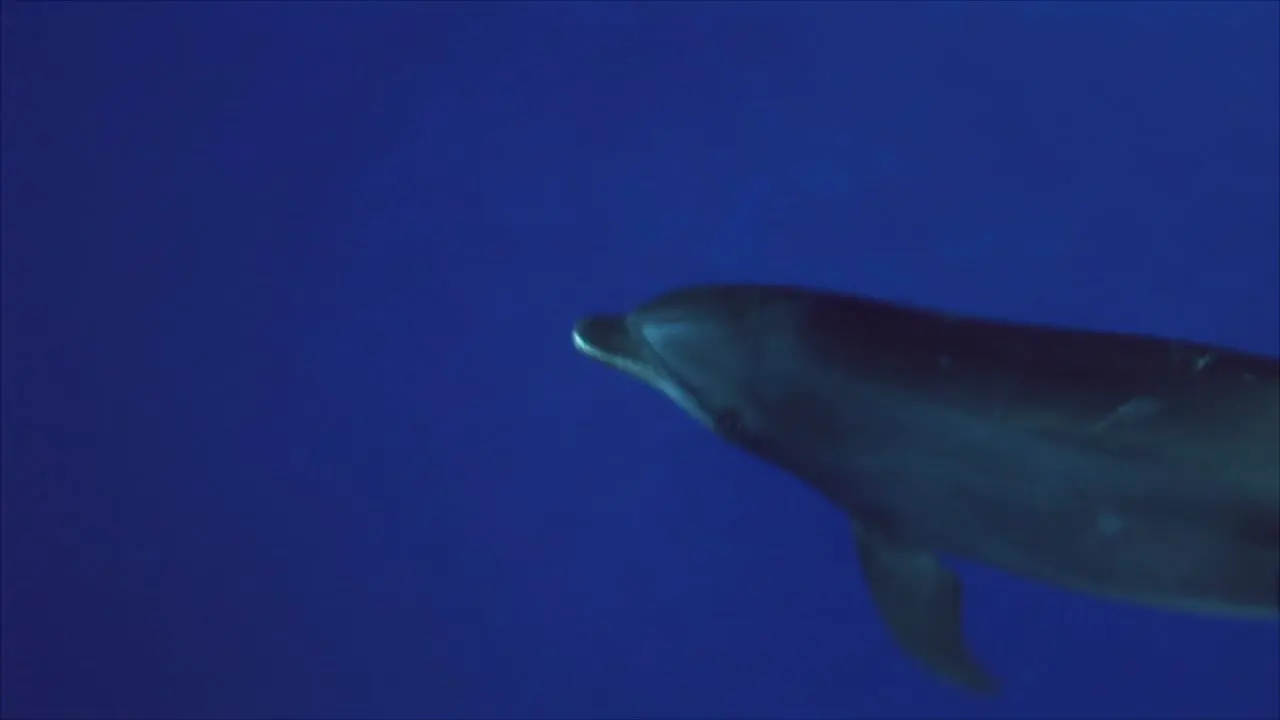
point(292, 424)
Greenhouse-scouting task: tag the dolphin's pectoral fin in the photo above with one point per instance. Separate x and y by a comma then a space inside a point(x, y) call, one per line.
point(920, 601)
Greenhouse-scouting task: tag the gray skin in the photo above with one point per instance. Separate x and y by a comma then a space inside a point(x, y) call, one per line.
point(1133, 467)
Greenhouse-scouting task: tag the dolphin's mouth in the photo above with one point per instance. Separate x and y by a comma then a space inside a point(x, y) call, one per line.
point(606, 335)
point(608, 338)
point(611, 340)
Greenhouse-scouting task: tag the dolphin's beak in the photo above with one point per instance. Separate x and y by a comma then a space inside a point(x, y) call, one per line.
point(608, 338)
point(616, 341)
point(603, 336)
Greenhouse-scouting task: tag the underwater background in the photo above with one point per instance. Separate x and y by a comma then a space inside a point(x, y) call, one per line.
point(292, 423)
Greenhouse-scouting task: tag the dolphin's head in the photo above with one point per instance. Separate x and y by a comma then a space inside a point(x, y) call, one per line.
point(724, 354)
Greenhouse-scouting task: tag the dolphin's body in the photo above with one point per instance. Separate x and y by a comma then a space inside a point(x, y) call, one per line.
point(1134, 467)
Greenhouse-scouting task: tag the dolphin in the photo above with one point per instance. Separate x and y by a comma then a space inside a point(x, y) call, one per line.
point(1133, 467)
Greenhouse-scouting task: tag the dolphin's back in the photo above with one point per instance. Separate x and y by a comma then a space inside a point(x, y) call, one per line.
point(1110, 386)
point(911, 339)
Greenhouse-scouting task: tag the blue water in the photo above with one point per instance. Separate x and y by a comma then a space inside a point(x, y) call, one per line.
point(293, 427)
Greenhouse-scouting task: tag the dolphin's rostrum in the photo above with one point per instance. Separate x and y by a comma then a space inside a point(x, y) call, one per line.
point(1134, 467)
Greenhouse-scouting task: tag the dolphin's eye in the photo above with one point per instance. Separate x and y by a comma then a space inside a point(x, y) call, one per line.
point(729, 422)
